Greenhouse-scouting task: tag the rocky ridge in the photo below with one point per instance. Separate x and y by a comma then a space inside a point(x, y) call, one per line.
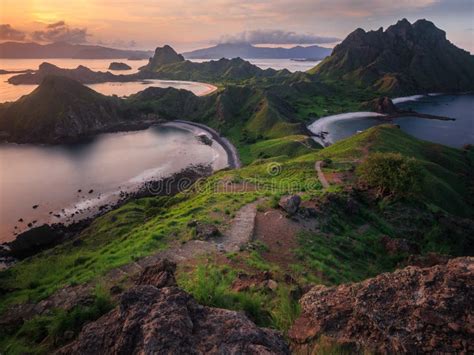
point(155, 316)
point(412, 310)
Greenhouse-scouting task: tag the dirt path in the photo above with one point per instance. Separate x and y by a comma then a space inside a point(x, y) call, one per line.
point(321, 176)
point(241, 231)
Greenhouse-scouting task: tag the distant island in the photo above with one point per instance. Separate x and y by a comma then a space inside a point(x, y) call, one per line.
point(67, 50)
point(246, 50)
point(119, 66)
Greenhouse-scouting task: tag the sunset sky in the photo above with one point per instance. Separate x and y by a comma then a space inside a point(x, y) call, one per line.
point(190, 24)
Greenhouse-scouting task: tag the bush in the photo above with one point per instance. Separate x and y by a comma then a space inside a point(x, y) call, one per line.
point(391, 174)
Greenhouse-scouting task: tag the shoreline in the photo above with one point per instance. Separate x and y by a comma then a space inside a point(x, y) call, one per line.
point(27, 244)
point(193, 172)
point(232, 154)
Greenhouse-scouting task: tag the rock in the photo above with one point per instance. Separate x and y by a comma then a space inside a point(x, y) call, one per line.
point(413, 310)
point(33, 240)
point(163, 56)
point(290, 204)
point(159, 275)
point(397, 246)
point(91, 191)
point(206, 231)
point(203, 138)
point(119, 66)
point(167, 320)
point(427, 260)
point(272, 285)
point(382, 104)
point(244, 282)
point(35, 207)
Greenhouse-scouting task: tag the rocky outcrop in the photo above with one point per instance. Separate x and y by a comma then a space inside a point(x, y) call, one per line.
point(163, 56)
point(153, 320)
point(381, 104)
point(119, 66)
point(413, 310)
point(406, 58)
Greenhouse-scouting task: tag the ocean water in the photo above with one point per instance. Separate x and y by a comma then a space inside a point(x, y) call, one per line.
point(451, 133)
point(50, 176)
point(277, 64)
point(10, 92)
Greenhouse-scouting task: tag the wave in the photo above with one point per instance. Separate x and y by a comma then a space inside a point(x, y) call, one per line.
point(399, 100)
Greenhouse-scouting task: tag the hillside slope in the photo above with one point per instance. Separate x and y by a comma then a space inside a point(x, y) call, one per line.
point(57, 110)
point(404, 59)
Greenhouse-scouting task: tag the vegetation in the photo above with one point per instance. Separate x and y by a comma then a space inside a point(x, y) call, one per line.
point(43, 333)
point(391, 173)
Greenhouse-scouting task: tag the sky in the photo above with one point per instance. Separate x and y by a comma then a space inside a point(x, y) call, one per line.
point(191, 24)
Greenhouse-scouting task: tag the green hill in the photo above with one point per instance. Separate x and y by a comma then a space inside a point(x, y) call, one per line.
point(57, 110)
point(404, 59)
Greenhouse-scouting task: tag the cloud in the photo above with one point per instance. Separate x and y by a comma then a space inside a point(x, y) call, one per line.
point(61, 32)
point(275, 37)
point(7, 32)
point(118, 43)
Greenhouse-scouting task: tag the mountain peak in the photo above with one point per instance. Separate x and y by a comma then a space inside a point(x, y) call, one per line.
point(163, 56)
point(406, 58)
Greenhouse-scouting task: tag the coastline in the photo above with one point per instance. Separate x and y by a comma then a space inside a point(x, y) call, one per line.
point(232, 154)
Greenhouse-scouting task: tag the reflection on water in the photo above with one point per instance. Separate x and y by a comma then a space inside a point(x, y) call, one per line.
point(277, 64)
point(10, 92)
point(52, 175)
point(452, 133)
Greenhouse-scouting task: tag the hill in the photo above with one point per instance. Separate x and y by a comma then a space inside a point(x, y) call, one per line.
point(246, 50)
point(167, 64)
point(67, 50)
point(162, 56)
point(404, 59)
point(59, 109)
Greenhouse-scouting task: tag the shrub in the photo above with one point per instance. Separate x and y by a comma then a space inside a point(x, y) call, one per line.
point(391, 174)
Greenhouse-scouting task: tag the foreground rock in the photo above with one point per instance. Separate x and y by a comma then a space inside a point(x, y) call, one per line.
point(413, 310)
point(152, 320)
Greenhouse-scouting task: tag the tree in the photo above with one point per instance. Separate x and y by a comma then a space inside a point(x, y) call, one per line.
point(391, 174)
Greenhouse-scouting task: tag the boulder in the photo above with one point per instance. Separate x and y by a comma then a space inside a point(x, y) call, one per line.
point(206, 231)
point(33, 240)
point(167, 320)
point(290, 204)
point(412, 310)
point(159, 275)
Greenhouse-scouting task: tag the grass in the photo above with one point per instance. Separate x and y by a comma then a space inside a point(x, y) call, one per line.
point(345, 249)
point(44, 333)
point(210, 284)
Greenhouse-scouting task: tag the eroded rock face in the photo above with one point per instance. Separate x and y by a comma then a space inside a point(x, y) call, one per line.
point(413, 310)
point(167, 320)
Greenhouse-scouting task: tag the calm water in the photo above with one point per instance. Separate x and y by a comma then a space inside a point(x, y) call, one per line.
point(10, 92)
point(451, 133)
point(52, 175)
point(276, 64)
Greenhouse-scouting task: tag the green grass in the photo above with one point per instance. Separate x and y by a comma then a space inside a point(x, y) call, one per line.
point(42, 334)
point(210, 285)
